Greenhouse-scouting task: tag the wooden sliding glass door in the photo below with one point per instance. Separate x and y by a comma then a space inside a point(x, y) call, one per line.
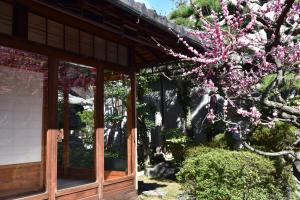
point(116, 129)
point(76, 122)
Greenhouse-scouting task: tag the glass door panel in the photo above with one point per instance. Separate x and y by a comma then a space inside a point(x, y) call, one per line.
point(116, 95)
point(76, 102)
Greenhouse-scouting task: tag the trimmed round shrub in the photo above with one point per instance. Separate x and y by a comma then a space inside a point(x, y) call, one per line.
point(196, 151)
point(274, 139)
point(223, 141)
point(176, 143)
point(218, 174)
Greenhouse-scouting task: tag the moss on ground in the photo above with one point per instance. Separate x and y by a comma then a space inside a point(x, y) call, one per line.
point(172, 188)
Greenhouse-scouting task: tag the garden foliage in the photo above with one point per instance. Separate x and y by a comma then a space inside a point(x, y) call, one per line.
point(274, 139)
point(176, 143)
point(218, 174)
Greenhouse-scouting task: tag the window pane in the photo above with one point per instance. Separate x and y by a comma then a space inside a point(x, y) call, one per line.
point(116, 92)
point(76, 120)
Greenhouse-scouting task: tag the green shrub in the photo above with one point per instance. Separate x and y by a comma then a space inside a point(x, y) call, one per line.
point(223, 141)
point(212, 130)
point(218, 174)
point(196, 151)
point(274, 139)
point(176, 142)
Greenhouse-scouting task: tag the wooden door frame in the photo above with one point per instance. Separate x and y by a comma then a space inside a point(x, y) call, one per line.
point(52, 132)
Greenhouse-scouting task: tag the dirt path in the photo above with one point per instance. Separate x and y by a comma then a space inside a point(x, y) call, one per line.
point(154, 189)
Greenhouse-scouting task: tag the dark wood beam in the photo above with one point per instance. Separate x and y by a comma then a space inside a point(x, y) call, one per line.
point(140, 56)
point(20, 21)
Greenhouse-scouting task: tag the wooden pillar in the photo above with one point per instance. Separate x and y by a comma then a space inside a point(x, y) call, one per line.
point(99, 124)
point(162, 106)
point(129, 131)
point(52, 133)
point(66, 129)
point(133, 126)
point(132, 134)
point(131, 141)
point(51, 162)
point(52, 92)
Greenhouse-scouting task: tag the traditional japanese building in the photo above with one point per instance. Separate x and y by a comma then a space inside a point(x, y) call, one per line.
point(67, 95)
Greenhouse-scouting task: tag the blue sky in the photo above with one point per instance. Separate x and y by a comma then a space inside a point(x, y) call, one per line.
point(162, 7)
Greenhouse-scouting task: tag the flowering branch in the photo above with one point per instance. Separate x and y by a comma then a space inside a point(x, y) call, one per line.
point(250, 55)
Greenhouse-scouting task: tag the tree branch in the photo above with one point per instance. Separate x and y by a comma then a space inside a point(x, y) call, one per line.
point(291, 118)
point(280, 21)
point(275, 154)
point(282, 107)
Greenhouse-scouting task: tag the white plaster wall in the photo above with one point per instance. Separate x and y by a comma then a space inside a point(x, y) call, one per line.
point(21, 110)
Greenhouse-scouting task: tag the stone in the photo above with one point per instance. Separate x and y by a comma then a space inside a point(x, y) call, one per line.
point(296, 169)
point(159, 192)
point(185, 197)
point(161, 170)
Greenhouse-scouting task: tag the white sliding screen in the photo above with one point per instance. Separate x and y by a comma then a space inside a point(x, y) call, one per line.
point(23, 79)
point(21, 115)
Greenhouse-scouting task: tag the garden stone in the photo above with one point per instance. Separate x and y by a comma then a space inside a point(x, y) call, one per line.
point(296, 169)
point(185, 197)
point(161, 170)
point(159, 192)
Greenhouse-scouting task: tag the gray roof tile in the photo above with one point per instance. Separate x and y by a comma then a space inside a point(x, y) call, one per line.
point(151, 15)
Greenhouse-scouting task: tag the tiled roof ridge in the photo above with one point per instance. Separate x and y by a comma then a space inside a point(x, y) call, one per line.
point(151, 14)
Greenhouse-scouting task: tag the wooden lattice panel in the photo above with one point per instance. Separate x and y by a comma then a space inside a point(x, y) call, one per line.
point(36, 28)
point(55, 34)
point(100, 48)
point(52, 33)
point(112, 52)
point(86, 44)
point(123, 55)
point(6, 15)
point(72, 39)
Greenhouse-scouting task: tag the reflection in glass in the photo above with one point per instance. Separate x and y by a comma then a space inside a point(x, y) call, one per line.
point(116, 94)
point(76, 120)
point(23, 77)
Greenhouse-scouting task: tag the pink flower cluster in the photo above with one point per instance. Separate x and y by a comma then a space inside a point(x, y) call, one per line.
point(233, 130)
point(253, 114)
point(211, 116)
point(209, 84)
point(236, 49)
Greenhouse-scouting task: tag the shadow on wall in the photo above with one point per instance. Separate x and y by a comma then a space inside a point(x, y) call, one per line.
point(165, 99)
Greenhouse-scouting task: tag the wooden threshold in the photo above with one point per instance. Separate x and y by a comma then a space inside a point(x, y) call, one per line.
point(42, 196)
point(117, 180)
point(77, 189)
point(128, 193)
point(95, 197)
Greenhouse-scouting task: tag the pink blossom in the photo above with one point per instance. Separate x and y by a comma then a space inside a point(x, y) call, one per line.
point(211, 116)
point(253, 114)
point(233, 130)
point(239, 50)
